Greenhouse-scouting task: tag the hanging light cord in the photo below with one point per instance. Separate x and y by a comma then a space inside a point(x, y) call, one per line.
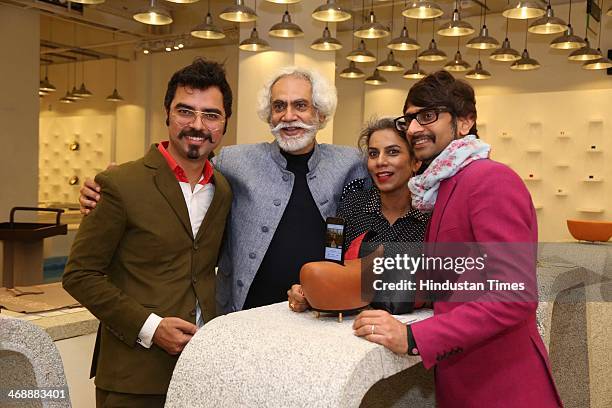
point(526, 31)
point(392, 13)
point(569, 17)
point(485, 13)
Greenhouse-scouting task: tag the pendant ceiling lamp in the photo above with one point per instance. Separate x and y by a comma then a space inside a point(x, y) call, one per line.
point(284, 1)
point(422, 9)
point(238, 13)
point(114, 96)
point(361, 54)
point(601, 62)
point(326, 42)
point(609, 12)
point(45, 85)
point(415, 72)
point(456, 27)
point(403, 42)
point(183, 1)
point(585, 53)
point(524, 9)
point(153, 15)
point(457, 64)
point(506, 53)
point(432, 53)
point(525, 63)
point(568, 41)
point(68, 98)
point(478, 72)
point(254, 43)
point(390, 64)
point(375, 79)
point(483, 41)
point(549, 24)
point(352, 72)
point(331, 12)
point(286, 28)
point(207, 29)
point(83, 92)
point(372, 28)
point(75, 92)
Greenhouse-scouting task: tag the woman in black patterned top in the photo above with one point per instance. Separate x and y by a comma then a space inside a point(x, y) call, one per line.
point(378, 209)
point(382, 210)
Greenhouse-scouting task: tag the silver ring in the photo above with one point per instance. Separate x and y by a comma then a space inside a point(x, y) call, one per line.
point(372, 329)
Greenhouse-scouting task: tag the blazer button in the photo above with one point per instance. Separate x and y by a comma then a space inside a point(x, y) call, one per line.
point(312, 177)
point(285, 177)
point(264, 229)
point(195, 246)
point(194, 280)
point(192, 313)
point(240, 283)
point(252, 255)
point(277, 202)
point(323, 202)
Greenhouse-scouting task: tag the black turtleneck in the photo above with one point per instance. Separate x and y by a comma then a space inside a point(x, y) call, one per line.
point(298, 239)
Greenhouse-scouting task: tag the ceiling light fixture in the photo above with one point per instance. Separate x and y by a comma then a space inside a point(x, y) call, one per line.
point(478, 72)
point(352, 72)
point(361, 54)
point(326, 42)
point(238, 13)
point(331, 12)
point(286, 28)
point(390, 64)
point(456, 27)
point(549, 24)
point(207, 29)
point(372, 28)
point(524, 10)
point(153, 15)
point(483, 41)
point(422, 9)
point(525, 63)
point(601, 62)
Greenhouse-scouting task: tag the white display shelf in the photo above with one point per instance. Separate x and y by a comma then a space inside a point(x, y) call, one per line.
point(592, 180)
point(534, 150)
point(563, 135)
point(505, 136)
point(593, 210)
point(534, 178)
point(538, 207)
point(597, 150)
point(561, 193)
point(562, 165)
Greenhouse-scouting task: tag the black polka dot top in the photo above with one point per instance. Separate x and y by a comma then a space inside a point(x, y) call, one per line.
point(360, 208)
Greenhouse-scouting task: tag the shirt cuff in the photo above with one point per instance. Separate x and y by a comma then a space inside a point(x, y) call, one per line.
point(145, 337)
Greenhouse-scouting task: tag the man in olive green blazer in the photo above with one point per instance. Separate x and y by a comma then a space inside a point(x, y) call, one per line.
point(143, 260)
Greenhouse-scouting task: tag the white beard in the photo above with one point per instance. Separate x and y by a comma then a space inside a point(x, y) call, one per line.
point(294, 143)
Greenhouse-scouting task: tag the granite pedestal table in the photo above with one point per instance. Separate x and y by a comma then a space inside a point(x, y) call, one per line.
point(270, 356)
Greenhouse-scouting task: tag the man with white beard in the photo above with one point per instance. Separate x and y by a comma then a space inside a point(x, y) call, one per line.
point(283, 192)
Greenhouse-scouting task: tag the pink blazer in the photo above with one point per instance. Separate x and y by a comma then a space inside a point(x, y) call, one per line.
point(487, 354)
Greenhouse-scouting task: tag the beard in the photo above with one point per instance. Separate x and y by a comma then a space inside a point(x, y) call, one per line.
point(193, 151)
point(294, 143)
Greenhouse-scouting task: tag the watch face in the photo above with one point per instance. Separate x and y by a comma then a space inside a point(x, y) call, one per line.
point(415, 351)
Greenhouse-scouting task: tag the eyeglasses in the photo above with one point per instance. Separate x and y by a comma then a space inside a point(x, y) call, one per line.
point(423, 117)
point(213, 121)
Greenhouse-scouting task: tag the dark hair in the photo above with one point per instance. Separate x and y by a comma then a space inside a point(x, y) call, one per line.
point(201, 74)
point(374, 125)
point(442, 89)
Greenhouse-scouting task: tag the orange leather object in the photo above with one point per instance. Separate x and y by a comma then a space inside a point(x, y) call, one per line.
point(332, 287)
point(590, 230)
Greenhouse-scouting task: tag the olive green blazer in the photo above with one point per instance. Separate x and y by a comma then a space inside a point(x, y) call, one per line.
point(135, 254)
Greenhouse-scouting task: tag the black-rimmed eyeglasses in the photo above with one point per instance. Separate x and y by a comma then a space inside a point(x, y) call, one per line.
point(423, 117)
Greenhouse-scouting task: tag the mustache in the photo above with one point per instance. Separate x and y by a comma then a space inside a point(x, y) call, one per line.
point(293, 124)
point(429, 135)
point(191, 132)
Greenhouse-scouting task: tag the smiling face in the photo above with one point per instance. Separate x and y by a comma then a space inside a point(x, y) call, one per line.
point(389, 161)
point(191, 140)
point(428, 141)
point(293, 118)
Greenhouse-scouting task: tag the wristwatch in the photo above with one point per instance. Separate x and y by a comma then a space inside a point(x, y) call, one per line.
point(413, 350)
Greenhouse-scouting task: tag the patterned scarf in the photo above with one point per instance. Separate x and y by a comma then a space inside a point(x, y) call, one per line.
point(458, 154)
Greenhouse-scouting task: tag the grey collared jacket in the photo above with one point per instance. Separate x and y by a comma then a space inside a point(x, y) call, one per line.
point(261, 186)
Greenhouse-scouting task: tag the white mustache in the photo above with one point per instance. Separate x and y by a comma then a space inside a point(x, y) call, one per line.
point(294, 124)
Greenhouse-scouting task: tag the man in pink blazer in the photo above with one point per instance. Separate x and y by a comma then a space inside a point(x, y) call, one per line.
point(486, 352)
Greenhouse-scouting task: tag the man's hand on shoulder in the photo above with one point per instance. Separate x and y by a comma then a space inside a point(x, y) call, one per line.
point(173, 334)
point(90, 194)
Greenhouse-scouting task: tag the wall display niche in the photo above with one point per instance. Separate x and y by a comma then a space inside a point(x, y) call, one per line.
point(72, 148)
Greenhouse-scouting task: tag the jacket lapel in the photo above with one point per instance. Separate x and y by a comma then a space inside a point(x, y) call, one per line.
point(444, 193)
point(166, 183)
point(222, 189)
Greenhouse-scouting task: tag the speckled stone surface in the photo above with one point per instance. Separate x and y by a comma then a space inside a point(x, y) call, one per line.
point(29, 360)
point(270, 356)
